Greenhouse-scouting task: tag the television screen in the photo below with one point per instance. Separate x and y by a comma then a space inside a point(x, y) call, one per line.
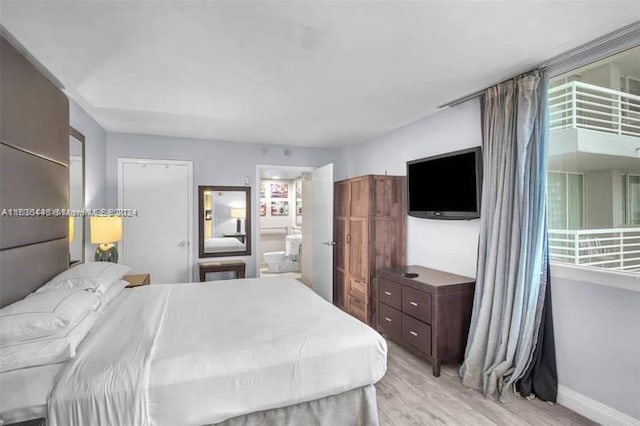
point(445, 186)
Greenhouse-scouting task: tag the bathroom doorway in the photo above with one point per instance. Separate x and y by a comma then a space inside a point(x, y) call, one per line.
point(281, 221)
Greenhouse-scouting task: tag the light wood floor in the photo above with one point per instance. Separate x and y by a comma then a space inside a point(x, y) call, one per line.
point(410, 395)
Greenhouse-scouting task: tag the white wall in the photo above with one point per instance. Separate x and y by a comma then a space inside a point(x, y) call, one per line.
point(447, 245)
point(597, 333)
point(214, 163)
point(95, 164)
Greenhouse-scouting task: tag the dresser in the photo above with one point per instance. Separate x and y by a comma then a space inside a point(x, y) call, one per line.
point(429, 313)
point(369, 233)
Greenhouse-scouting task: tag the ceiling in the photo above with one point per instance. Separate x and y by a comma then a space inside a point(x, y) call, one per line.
point(314, 73)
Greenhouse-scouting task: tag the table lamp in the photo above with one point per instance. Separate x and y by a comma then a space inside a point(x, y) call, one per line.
point(238, 214)
point(106, 230)
point(72, 228)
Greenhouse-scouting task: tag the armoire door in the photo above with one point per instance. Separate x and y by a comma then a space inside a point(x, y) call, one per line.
point(357, 282)
point(341, 253)
point(358, 231)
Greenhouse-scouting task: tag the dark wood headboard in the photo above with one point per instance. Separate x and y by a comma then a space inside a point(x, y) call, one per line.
point(34, 174)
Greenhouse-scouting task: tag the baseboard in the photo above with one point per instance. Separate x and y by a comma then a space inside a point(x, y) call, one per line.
point(592, 409)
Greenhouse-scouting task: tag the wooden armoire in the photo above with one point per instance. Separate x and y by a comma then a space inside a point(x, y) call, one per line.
point(370, 233)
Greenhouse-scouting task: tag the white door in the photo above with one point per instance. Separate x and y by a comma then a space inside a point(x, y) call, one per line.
point(157, 240)
point(322, 231)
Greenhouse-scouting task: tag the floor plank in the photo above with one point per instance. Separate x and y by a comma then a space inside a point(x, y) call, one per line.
point(409, 395)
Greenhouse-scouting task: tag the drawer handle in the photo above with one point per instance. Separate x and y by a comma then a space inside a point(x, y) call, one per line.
point(414, 303)
point(387, 293)
point(388, 319)
point(413, 333)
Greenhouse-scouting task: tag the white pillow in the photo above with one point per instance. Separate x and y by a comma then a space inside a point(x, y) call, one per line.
point(91, 284)
point(112, 290)
point(104, 271)
point(28, 326)
point(41, 314)
point(60, 347)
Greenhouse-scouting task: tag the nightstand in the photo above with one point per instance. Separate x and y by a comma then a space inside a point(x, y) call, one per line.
point(136, 280)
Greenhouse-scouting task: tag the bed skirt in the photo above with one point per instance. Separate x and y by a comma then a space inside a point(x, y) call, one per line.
point(356, 407)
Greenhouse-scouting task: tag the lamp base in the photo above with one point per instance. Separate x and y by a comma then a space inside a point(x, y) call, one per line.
point(106, 253)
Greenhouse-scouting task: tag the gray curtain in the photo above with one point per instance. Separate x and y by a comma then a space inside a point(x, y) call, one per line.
point(511, 278)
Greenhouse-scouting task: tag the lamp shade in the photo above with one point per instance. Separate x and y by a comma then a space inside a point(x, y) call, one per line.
point(237, 213)
point(72, 227)
point(105, 229)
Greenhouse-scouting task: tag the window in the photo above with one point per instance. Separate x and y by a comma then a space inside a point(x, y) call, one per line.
point(566, 200)
point(594, 163)
point(632, 200)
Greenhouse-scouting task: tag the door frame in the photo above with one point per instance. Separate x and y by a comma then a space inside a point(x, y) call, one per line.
point(189, 164)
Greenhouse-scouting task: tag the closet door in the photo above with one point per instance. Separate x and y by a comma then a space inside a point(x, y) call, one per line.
point(157, 240)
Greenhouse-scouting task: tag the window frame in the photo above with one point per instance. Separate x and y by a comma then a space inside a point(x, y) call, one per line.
point(566, 191)
point(607, 46)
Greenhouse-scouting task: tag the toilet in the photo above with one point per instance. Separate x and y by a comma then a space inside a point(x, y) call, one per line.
point(288, 260)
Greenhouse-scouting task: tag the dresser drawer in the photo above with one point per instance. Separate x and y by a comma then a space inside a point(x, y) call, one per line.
point(417, 304)
point(390, 293)
point(357, 307)
point(390, 321)
point(416, 333)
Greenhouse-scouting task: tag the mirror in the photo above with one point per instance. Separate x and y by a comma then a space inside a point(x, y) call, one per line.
point(76, 196)
point(224, 218)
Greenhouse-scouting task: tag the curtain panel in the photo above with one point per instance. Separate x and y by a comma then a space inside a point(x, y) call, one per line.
point(512, 258)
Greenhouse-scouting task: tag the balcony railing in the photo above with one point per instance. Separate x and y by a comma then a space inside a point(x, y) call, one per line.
point(617, 248)
point(580, 105)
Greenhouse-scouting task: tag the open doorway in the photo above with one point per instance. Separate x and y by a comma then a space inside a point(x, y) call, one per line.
point(283, 223)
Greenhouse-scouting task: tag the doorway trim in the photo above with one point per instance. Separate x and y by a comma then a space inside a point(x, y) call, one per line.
point(189, 164)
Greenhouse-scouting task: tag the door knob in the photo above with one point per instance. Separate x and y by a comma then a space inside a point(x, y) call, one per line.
point(329, 243)
point(182, 244)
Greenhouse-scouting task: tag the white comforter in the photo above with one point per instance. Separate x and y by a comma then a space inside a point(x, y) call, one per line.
point(203, 353)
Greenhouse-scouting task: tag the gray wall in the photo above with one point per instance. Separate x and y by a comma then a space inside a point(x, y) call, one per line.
point(597, 327)
point(95, 164)
point(448, 245)
point(597, 330)
point(214, 163)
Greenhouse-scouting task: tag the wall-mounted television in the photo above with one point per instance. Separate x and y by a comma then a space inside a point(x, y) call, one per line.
point(445, 186)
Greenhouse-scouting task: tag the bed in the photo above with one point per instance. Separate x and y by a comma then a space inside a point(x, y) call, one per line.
point(244, 351)
point(220, 244)
point(238, 352)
